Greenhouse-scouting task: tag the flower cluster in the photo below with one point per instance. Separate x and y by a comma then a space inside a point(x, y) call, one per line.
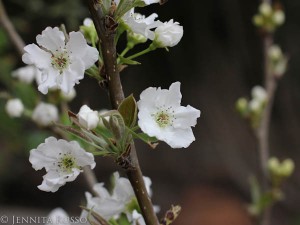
point(121, 200)
point(269, 17)
point(277, 61)
point(253, 109)
point(140, 28)
point(62, 62)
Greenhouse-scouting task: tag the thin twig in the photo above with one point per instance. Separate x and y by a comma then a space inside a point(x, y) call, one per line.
point(105, 29)
point(11, 31)
point(270, 84)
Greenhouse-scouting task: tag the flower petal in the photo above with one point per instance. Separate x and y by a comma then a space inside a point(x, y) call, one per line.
point(185, 117)
point(178, 138)
point(49, 80)
point(34, 55)
point(78, 47)
point(52, 39)
point(71, 76)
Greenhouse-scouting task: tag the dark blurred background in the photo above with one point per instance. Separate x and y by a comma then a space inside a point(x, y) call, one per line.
point(218, 60)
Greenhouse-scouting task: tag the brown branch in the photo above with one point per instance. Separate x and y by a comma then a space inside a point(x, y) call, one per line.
point(105, 26)
point(11, 31)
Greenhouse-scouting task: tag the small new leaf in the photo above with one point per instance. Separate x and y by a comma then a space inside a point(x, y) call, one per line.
point(128, 110)
point(127, 61)
point(151, 141)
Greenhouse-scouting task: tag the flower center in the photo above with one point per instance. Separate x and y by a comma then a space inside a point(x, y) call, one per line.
point(60, 61)
point(163, 118)
point(67, 163)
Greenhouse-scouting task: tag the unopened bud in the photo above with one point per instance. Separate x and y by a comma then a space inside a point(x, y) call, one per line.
point(265, 9)
point(278, 17)
point(242, 105)
point(116, 127)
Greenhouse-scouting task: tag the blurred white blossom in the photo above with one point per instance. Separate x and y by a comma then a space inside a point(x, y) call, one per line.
point(62, 63)
point(111, 205)
point(45, 114)
point(62, 160)
point(27, 74)
point(14, 107)
point(161, 116)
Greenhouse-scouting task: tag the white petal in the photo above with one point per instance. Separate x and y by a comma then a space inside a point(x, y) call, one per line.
point(78, 47)
point(123, 190)
point(52, 182)
point(34, 55)
point(186, 117)
point(52, 39)
point(178, 138)
point(49, 80)
point(71, 76)
point(39, 160)
point(148, 2)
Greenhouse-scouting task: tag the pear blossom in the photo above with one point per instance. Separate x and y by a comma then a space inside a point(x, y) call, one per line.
point(140, 24)
point(14, 107)
point(44, 114)
point(168, 34)
point(161, 116)
point(62, 62)
point(62, 160)
point(111, 205)
point(27, 74)
point(88, 118)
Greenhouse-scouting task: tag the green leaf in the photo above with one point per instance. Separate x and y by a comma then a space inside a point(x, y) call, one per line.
point(123, 7)
point(127, 61)
point(128, 110)
point(151, 141)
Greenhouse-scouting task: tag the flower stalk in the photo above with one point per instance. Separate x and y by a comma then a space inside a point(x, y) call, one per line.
point(106, 33)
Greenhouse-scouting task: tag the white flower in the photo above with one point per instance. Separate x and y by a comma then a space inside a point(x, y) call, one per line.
point(44, 114)
point(88, 118)
point(14, 107)
point(259, 93)
point(27, 74)
point(141, 24)
point(168, 34)
point(62, 160)
point(62, 64)
point(111, 205)
point(58, 216)
point(161, 116)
